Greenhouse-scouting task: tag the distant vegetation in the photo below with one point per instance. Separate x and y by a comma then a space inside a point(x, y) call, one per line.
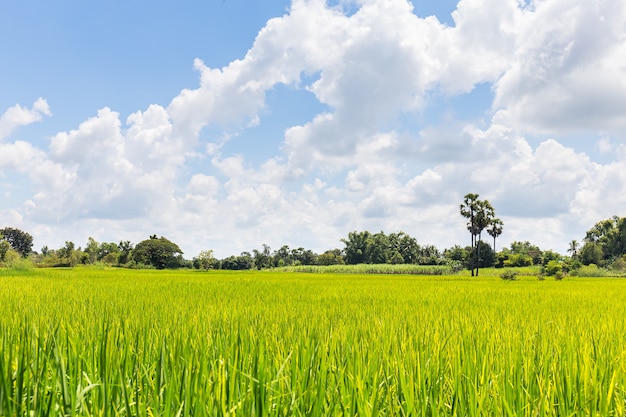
point(603, 251)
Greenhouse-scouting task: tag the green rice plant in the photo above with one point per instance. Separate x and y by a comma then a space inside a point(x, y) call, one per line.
point(371, 269)
point(176, 343)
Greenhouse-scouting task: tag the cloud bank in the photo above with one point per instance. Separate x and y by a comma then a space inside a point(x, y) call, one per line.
point(371, 159)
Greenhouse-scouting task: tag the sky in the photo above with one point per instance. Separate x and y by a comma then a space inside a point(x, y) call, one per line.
point(229, 124)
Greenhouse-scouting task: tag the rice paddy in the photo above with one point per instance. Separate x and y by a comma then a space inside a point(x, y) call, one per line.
point(90, 342)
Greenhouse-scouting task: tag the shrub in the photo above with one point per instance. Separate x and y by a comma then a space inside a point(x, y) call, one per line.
point(509, 275)
point(590, 270)
point(553, 267)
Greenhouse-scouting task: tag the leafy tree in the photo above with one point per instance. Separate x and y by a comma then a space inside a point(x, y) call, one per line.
point(591, 253)
point(158, 252)
point(610, 235)
point(458, 254)
point(331, 257)
point(91, 249)
point(357, 247)
point(527, 248)
point(205, 260)
point(406, 246)
point(19, 240)
point(4, 248)
point(428, 255)
point(241, 262)
point(126, 249)
point(377, 249)
point(68, 255)
point(262, 259)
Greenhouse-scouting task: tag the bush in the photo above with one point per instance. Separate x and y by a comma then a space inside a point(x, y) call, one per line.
point(509, 275)
point(590, 270)
point(553, 267)
point(559, 275)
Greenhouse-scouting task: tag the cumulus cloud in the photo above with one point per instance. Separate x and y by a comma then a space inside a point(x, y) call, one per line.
point(17, 116)
point(554, 67)
point(566, 74)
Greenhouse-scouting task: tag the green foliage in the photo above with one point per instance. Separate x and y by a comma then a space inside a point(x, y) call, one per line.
point(591, 270)
point(19, 240)
point(373, 269)
point(4, 248)
point(238, 263)
point(509, 275)
point(205, 260)
point(591, 253)
point(552, 268)
point(331, 257)
point(610, 236)
point(480, 215)
point(511, 260)
point(159, 253)
point(527, 249)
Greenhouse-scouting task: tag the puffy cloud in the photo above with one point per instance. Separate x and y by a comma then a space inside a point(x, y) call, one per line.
point(355, 165)
point(17, 116)
point(566, 73)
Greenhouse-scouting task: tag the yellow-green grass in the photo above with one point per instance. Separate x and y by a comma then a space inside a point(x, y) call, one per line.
point(118, 342)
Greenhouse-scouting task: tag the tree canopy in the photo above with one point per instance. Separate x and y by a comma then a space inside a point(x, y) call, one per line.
point(158, 252)
point(19, 240)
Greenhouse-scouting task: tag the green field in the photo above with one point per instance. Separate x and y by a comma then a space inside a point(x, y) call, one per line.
point(167, 343)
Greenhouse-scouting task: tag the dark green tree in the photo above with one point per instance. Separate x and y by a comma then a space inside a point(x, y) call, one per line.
point(610, 235)
point(158, 252)
point(357, 247)
point(20, 241)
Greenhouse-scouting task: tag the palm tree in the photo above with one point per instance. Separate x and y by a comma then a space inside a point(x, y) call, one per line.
point(479, 214)
point(468, 210)
point(495, 230)
point(573, 248)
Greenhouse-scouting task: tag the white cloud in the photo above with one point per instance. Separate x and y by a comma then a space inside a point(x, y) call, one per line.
point(554, 66)
point(567, 73)
point(17, 116)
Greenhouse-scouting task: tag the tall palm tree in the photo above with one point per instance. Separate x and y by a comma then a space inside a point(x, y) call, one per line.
point(495, 230)
point(479, 214)
point(468, 210)
point(573, 248)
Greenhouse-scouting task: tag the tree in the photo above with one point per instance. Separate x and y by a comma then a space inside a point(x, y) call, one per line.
point(331, 257)
point(479, 214)
point(356, 249)
point(573, 248)
point(610, 235)
point(406, 246)
point(205, 260)
point(592, 253)
point(91, 249)
point(4, 248)
point(19, 240)
point(126, 249)
point(158, 252)
point(495, 230)
point(262, 259)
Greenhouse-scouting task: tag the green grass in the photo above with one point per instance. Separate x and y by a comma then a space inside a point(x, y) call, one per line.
point(121, 343)
point(370, 269)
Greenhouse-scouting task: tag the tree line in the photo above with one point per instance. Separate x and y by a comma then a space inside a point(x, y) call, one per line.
point(604, 245)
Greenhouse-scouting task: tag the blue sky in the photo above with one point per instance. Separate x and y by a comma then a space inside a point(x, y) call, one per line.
point(228, 124)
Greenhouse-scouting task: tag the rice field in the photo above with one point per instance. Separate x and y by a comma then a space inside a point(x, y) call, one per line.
point(180, 343)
